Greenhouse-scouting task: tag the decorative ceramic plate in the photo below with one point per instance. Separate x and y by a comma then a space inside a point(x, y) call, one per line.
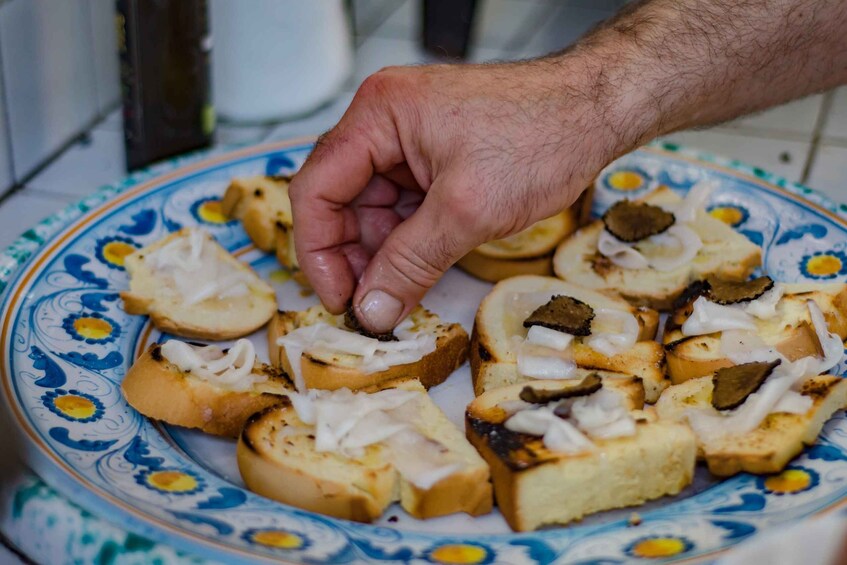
point(65, 345)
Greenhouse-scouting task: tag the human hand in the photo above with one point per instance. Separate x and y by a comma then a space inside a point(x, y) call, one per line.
point(429, 162)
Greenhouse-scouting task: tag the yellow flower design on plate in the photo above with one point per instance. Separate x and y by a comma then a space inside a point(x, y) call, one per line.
point(210, 211)
point(626, 181)
point(93, 328)
point(790, 481)
point(115, 251)
point(172, 481)
point(278, 538)
point(659, 547)
point(730, 215)
point(823, 265)
point(459, 554)
point(75, 407)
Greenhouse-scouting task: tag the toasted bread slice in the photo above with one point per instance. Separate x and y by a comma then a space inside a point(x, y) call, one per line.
point(725, 254)
point(158, 295)
point(158, 389)
point(777, 440)
point(537, 488)
point(492, 356)
point(331, 370)
point(529, 252)
point(790, 332)
point(263, 206)
point(278, 459)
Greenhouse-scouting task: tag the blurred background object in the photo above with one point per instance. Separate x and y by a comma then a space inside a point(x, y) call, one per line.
point(274, 59)
point(61, 135)
point(165, 78)
point(447, 26)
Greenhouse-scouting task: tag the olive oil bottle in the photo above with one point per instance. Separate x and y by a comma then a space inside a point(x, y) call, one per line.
point(164, 48)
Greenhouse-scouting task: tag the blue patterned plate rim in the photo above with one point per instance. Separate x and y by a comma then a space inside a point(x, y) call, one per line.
point(22, 255)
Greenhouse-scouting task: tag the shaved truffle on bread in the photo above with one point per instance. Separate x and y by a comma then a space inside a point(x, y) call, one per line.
point(725, 254)
point(493, 356)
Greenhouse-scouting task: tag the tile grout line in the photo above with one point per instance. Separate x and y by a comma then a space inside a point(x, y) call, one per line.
point(376, 23)
point(817, 134)
point(50, 159)
point(64, 197)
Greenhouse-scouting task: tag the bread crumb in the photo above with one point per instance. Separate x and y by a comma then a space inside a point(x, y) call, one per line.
point(634, 519)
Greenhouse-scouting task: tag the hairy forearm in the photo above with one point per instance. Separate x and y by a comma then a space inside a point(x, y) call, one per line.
point(664, 65)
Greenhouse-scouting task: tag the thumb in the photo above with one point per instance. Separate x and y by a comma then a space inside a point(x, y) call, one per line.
point(410, 261)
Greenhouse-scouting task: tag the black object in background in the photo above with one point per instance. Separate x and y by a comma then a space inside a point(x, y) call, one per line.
point(447, 26)
point(165, 78)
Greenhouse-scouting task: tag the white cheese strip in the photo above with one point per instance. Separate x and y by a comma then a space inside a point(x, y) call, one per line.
point(765, 306)
point(539, 335)
point(792, 402)
point(744, 346)
point(232, 370)
point(710, 424)
point(831, 344)
point(620, 253)
point(708, 317)
point(669, 250)
point(776, 394)
point(194, 269)
point(666, 251)
point(420, 460)
point(346, 423)
point(612, 331)
point(557, 433)
point(512, 406)
point(375, 355)
point(601, 415)
point(674, 248)
point(695, 200)
point(545, 367)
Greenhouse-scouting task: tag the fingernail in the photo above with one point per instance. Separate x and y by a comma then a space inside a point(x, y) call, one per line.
point(380, 310)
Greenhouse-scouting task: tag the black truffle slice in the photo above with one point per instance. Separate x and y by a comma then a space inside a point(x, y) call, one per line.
point(732, 385)
point(352, 323)
point(730, 292)
point(563, 314)
point(691, 293)
point(633, 221)
point(589, 385)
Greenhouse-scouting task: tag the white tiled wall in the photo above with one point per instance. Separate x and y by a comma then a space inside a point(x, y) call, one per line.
point(48, 74)
point(90, 163)
point(105, 54)
point(829, 171)
point(23, 209)
point(836, 123)
point(796, 119)
point(785, 157)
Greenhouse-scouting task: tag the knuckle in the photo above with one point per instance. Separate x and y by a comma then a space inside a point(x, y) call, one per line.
point(419, 265)
point(386, 83)
point(376, 85)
